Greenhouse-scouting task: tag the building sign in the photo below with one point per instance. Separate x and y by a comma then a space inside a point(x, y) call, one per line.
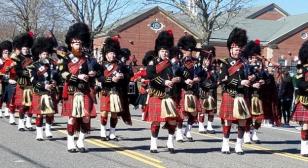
point(156, 25)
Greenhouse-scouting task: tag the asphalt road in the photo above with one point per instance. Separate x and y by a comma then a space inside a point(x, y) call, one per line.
point(279, 148)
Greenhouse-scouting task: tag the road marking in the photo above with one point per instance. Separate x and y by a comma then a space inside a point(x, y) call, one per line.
point(297, 132)
point(134, 155)
point(252, 146)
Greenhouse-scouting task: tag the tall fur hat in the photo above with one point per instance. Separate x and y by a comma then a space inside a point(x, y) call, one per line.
point(6, 45)
point(111, 44)
point(23, 40)
point(237, 36)
point(175, 52)
point(252, 48)
point(187, 42)
point(78, 31)
point(42, 44)
point(303, 53)
point(148, 57)
point(164, 40)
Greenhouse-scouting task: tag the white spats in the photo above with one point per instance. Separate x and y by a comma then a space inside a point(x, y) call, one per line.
point(238, 145)
point(201, 127)
point(112, 134)
point(80, 141)
point(267, 123)
point(153, 144)
point(179, 135)
point(103, 131)
point(21, 124)
point(48, 130)
point(6, 112)
point(304, 147)
point(209, 126)
point(39, 133)
point(247, 139)
point(188, 131)
point(70, 142)
point(225, 145)
point(28, 122)
point(170, 141)
point(254, 135)
point(12, 118)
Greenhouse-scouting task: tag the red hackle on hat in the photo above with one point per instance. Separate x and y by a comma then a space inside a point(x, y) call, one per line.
point(170, 32)
point(257, 41)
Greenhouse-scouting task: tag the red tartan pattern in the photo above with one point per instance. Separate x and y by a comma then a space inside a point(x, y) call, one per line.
point(105, 103)
point(36, 104)
point(67, 105)
point(301, 113)
point(226, 107)
point(17, 98)
point(153, 112)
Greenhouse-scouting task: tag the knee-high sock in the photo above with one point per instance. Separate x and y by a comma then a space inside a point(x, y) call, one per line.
point(257, 125)
point(201, 117)
point(240, 131)
point(113, 122)
point(39, 121)
point(154, 130)
point(49, 119)
point(171, 129)
point(104, 120)
point(226, 131)
point(304, 135)
point(191, 119)
point(210, 118)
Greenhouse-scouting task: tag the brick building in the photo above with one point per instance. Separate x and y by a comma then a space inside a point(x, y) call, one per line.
point(281, 34)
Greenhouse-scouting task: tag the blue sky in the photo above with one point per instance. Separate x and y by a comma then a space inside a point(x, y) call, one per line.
point(293, 7)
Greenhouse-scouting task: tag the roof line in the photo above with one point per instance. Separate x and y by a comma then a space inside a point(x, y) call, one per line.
point(287, 34)
point(264, 9)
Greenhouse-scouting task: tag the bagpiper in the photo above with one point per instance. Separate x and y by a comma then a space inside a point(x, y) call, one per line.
point(22, 98)
point(301, 101)
point(190, 78)
point(78, 104)
point(114, 83)
point(207, 89)
point(234, 103)
point(161, 106)
point(253, 51)
point(44, 79)
point(8, 76)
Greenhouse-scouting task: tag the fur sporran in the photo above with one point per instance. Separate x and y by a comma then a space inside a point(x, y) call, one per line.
point(78, 105)
point(26, 99)
point(46, 105)
point(168, 108)
point(209, 103)
point(115, 103)
point(256, 106)
point(190, 103)
point(240, 109)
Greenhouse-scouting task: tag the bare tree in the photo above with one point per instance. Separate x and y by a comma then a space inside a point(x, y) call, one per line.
point(206, 15)
point(7, 28)
point(96, 13)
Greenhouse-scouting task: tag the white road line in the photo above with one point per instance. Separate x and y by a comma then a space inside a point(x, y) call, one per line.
point(275, 128)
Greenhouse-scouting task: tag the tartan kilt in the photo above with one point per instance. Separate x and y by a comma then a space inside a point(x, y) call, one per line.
point(153, 112)
point(67, 105)
point(226, 107)
point(182, 112)
point(18, 97)
point(300, 113)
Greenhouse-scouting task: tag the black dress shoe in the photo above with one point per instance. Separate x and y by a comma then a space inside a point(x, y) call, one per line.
point(190, 139)
point(305, 155)
point(171, 150)
point(240, 153)
point(104, 139)
point(226, 152)
point(1, 117)
point(40, 139)
point(211, 131)
point(30, 129)
point(257, 142)
point(181, 141)
point(21, 129)
point(114, 139)
point(13, 123)
point(82, 150)
point(49, 137)
point(154, 151)
point(72, 150)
